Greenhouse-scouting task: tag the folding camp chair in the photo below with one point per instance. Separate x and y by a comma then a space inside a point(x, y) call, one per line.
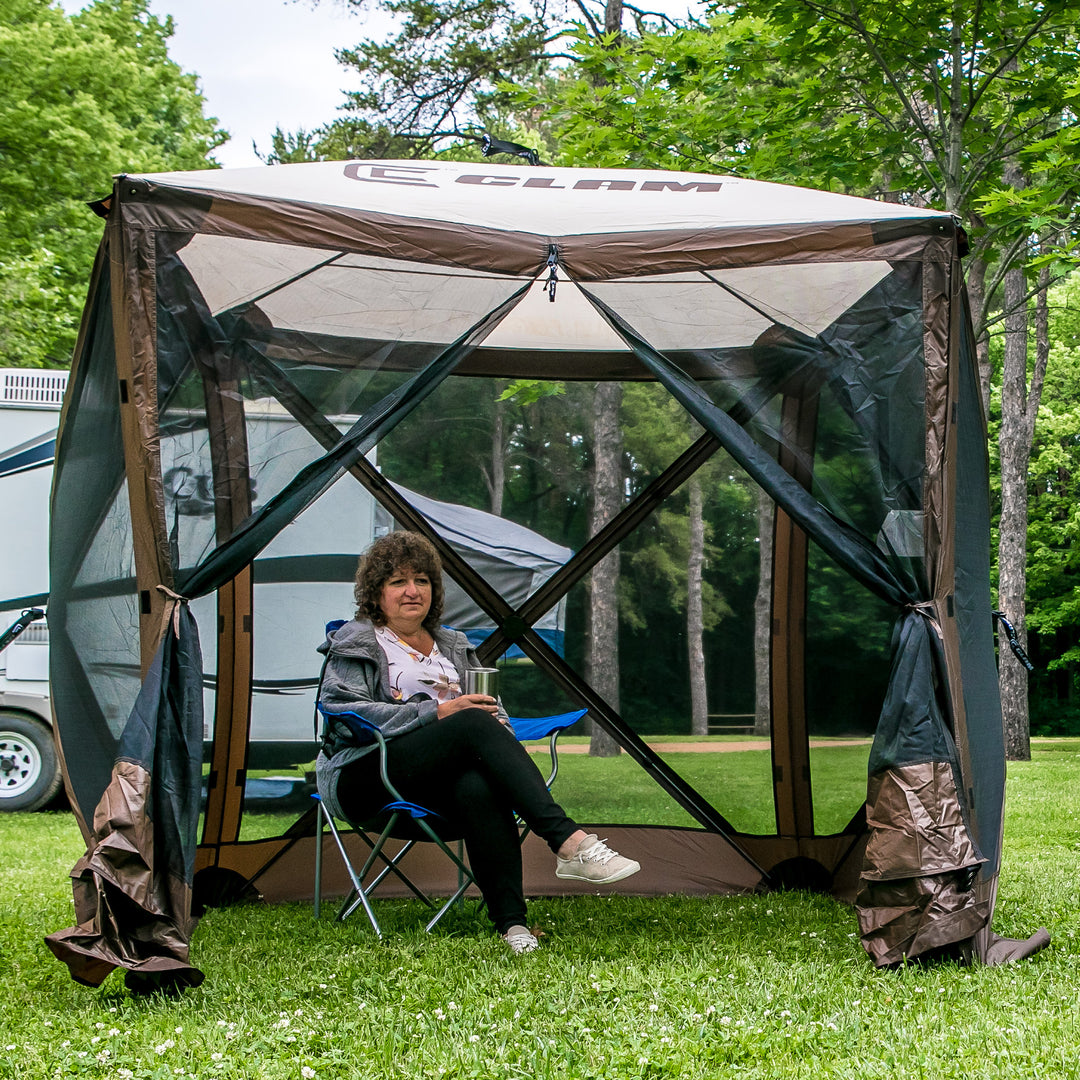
point(425, 824)
point(397, 819)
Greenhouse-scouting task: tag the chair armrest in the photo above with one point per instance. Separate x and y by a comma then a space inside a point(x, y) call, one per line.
point(540, 727)
point(370, 733)
point(546, 727)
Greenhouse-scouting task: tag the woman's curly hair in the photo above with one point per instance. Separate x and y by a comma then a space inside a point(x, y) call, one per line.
point(389, 554)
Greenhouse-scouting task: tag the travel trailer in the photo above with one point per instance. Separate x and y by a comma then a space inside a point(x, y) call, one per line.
point(29, 410)
point(308, 571)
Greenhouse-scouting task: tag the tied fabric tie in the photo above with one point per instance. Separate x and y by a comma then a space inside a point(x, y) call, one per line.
point(928, 609)
point(172, 610)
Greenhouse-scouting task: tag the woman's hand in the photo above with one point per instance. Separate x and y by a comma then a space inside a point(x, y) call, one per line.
point(467, 701)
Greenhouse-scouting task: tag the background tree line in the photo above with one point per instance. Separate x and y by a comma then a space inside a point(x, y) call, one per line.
point(963, 105)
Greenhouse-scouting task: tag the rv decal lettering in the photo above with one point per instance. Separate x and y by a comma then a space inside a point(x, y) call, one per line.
point(193, 493)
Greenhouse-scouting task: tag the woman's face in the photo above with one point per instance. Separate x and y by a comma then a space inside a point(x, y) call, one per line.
point(406, 597)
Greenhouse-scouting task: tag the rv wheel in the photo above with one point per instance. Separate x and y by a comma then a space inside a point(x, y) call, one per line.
point(29, 772)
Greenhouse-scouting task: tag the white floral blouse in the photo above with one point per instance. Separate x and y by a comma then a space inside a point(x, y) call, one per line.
point(411, 672)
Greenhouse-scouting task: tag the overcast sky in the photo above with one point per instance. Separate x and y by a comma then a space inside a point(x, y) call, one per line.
point(265, 63)
point(270, 63)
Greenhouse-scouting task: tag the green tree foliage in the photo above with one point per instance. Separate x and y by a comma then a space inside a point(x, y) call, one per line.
point(965, 107)
point(433, 84)
point(82, 97)
point(449, 74)
point(1054, 525)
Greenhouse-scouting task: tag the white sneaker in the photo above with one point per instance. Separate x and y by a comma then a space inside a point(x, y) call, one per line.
point(521, 940)
point(595, 862)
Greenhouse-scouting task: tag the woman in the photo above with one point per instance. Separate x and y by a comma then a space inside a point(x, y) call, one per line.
point(395, 665)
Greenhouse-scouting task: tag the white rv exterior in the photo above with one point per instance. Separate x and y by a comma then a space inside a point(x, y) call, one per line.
point(302, 579)
point(29, 411)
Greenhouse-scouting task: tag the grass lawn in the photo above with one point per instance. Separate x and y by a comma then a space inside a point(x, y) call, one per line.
point(764, 986)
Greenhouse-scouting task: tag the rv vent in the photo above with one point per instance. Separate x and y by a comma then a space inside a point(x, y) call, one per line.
point(23, 386)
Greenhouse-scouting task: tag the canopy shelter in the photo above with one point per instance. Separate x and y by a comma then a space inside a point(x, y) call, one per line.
point(809, 346)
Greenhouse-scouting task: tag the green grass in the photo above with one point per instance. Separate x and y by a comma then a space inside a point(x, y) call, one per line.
point(747, 987)
point(737, 783)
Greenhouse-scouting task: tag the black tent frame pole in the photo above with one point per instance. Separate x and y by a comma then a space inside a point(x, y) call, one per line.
point(494, 605)
point(612, 533)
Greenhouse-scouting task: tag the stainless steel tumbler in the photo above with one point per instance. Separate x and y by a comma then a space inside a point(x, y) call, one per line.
point(482, 681)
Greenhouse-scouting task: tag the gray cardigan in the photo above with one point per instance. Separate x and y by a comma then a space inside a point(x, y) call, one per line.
point(357, 679)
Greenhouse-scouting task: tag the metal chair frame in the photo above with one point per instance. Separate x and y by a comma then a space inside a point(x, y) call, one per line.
point(526, 730)
point(393, 812)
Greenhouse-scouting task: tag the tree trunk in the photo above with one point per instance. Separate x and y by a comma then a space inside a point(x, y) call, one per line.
point(613, 12)
point(1015, 449)
point(497, 480)
point(695, 618)
point(603, 644)
point(763, 618)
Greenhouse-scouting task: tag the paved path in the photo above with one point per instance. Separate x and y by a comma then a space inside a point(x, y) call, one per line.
point(700, 747)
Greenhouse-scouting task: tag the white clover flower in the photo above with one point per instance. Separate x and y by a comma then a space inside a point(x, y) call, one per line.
point(95, 1039)
point(217, 1055)
point(48, 1023)
point(11, 1046)
point(230, 1034)
point(451, 1005)
point(307, 1072)
point(114, 1031)
point(725, 1019)
point(474, 1038)
point(66, 1042)
point(653, 1007)
point(124, 1074)
point(221, 1023)
point(643, 1061)
point(179, 1030)
point(322, 986)
point(785, 1012)
point(283, 1022)
point(440, 1015)
point(710, 1010)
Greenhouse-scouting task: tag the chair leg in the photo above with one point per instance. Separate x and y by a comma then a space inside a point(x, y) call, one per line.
point(357, 896)
point(318, 861)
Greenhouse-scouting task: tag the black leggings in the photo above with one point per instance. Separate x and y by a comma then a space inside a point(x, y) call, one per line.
point(472, 771)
